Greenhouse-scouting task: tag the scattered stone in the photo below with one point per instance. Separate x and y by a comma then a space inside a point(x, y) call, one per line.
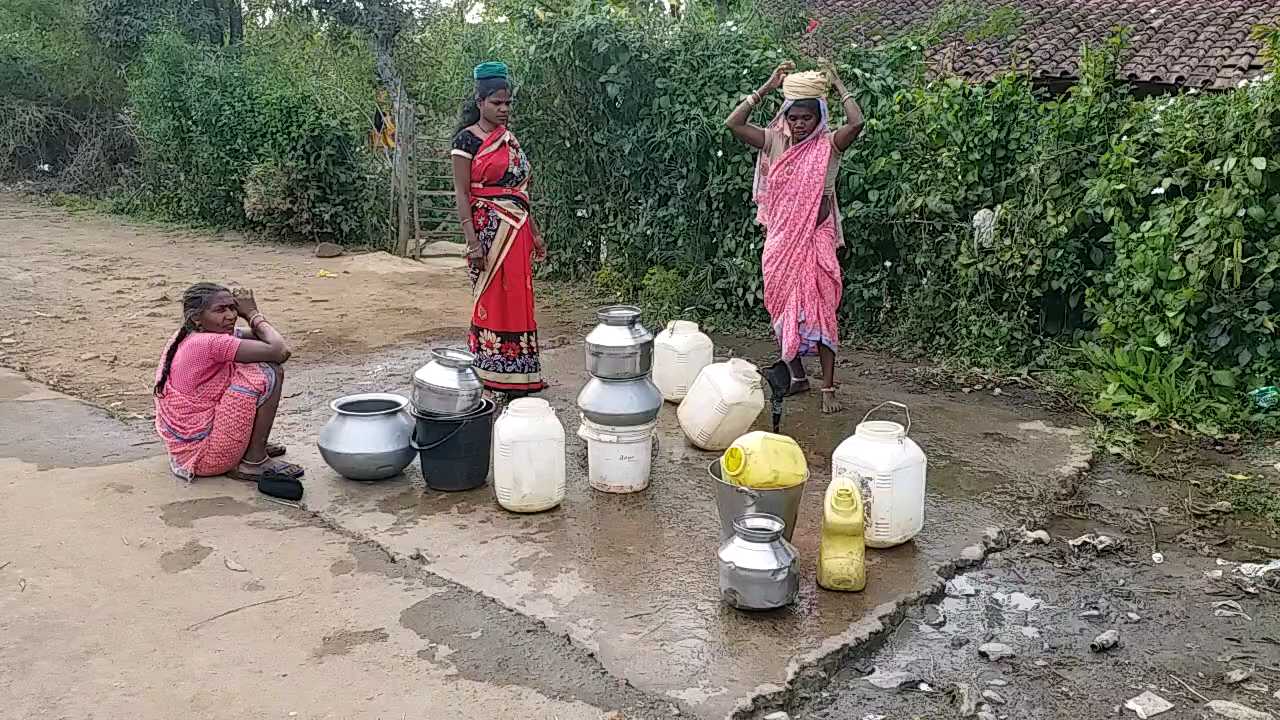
point(994, 537)
point(933, 616)
point(959, 642)
point(88, 356)
point(1032, 537)
point(1105, 641)
point(893, 680)
point(1236, 711)
point(1235, 677)
point(1100, 543)
point(1230, 608)
point(965, 699)
point(615, 715)
point(234, 566)
point(997, 682)
point(1148, 705)
point(328, 250)
point(987, 715)
point(1020, 602)
point(992, 696)
point(995, 651)
point(1133, 617)
point(1091, 614)
point(972, 554)
point(777, 716)
point(961, 586)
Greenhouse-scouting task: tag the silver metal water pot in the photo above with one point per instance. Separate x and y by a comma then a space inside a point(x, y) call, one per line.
point(448, 385)
point(619, 348)
point(620, 403)
point(759, 569)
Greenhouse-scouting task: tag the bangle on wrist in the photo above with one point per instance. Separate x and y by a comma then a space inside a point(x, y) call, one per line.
point(257, 319)
point(846, 97)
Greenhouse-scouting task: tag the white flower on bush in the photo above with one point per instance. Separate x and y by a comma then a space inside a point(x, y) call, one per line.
point(1157, 190)
point(719, 153)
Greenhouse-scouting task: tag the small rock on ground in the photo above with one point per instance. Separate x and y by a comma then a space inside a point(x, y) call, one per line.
point(1236, 711)
point(1148, 705)
point(328, 250)
point(995, 651)
point(777, 716)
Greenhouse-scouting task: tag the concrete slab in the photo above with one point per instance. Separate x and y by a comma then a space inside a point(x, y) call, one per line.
point(634, 578)
point(49, 429)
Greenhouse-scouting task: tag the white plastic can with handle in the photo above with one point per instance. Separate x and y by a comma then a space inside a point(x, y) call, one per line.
point(892, 469)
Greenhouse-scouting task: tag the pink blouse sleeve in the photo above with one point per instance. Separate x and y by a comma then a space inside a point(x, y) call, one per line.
point(215, 347)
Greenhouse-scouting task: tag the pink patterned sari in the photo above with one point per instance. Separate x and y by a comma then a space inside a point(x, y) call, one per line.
point(802, 283)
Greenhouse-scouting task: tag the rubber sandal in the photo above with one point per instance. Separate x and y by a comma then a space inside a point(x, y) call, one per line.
point(284, 468)
point(279, 485)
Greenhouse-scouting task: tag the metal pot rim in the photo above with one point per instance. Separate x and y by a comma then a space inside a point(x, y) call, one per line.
point(400, 401)
point(453, 357)
point(619, 315)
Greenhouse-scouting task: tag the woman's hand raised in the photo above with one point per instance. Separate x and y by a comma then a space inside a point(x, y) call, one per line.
point(780, 74)
point(246, 304)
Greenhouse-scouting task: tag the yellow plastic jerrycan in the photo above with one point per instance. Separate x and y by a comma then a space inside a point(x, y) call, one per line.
point(842, 551)
point(764, 461)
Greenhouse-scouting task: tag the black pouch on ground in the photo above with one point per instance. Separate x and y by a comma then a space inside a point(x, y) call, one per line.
point(279, 485)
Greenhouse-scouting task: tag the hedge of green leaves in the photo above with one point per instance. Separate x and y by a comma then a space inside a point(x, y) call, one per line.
point(1135, 240)
point(265, 136)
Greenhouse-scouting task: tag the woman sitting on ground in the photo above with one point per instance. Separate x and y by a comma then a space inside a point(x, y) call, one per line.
point(217, 388)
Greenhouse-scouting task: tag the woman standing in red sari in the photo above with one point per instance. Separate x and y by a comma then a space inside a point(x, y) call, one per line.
point(491, 179)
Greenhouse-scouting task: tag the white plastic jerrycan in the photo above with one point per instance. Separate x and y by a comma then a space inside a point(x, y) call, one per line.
point(528, 457)
point(722, 404)
point(892, 471)
point(679, 353)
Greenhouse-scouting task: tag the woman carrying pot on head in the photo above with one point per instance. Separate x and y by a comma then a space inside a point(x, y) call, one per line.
point(217, 388)
point(491, 181)
point(795, 195)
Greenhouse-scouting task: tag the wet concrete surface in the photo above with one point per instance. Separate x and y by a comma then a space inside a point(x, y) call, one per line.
point(1184, 624)
point(633, 578)
point(49, 429)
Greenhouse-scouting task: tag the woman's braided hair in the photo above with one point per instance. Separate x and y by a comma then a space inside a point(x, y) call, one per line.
point(194, 300)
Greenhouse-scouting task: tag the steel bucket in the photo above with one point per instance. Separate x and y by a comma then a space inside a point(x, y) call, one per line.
point(735, 500)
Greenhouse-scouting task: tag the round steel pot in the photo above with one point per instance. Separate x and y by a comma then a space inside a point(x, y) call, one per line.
point(368, 437)
point(619, 348)
point(620, 403)
point(448, 385)
point(759, 569)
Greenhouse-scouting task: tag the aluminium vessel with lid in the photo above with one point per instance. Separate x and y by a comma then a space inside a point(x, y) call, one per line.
point(759, 569)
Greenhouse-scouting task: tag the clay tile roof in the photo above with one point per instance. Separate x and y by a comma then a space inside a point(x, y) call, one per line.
point(1198, 43)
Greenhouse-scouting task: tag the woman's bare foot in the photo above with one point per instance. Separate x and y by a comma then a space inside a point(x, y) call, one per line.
point(830, 404)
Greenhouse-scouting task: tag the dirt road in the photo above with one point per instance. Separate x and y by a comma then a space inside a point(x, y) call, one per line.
point(92, 299)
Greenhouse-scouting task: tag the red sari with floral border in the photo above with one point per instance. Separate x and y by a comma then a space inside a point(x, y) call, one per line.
point(504, 330)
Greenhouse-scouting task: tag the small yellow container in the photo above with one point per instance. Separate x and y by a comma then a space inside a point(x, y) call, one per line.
point(764, 461)
point(842, 550)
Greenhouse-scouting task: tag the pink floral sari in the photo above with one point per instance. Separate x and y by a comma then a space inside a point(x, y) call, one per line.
point(802, 283)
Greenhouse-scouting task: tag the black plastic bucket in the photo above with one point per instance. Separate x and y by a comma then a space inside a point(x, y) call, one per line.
point(454, 451)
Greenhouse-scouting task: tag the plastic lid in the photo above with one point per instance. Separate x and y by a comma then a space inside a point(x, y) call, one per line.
point(843, 498)
point(683, 327)
point(529, 407)
point(734, 460)
point(882, 430)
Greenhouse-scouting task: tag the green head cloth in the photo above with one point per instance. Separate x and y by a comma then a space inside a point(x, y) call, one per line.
point(487, 70)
